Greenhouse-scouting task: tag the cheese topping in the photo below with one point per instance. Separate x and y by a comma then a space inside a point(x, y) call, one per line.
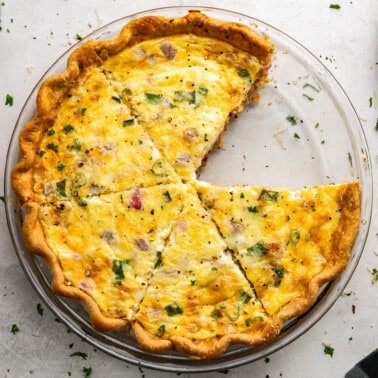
point(182, 89)
point(198, 291)
point(109, 245)
point(281, 238)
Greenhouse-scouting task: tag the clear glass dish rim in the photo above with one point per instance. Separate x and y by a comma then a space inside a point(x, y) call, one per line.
point(232, 359)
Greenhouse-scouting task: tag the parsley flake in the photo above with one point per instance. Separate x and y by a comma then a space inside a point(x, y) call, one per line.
point(334, 6)
point(87, 371)
point(39, 309)
point(53, 147)
point(14, 329)
point(9, 100)
point(2, 198)
point(79, 354)
point(328, 350)
point(259, 249)
point(173, 309)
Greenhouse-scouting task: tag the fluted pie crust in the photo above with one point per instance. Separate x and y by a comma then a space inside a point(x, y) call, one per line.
point(107, 176)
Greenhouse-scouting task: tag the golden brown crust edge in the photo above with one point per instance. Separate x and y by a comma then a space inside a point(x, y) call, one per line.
point(349, 200)
point(35, 243)
point(205, 349)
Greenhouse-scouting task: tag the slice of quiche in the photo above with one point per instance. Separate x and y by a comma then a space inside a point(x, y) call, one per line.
point(103, 249)
point(198, 300)
point(289, 242)
point(92, 146)
point(184, 89)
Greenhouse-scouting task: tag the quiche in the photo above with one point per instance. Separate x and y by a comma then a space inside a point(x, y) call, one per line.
point(108, 181)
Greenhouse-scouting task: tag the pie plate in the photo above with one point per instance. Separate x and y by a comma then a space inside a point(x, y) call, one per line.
point(303, 131)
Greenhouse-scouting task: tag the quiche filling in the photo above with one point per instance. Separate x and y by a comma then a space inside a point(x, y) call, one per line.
point(108, 180)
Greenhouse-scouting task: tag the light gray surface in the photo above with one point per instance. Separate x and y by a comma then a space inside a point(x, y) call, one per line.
point(35, 33)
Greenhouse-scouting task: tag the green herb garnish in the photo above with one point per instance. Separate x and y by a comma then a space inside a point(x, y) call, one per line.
point(244, 297)
point(185, 96)
point(76, 145)
point(269, 195)
point(50, 132)
point(128, 122)
point(79, 354)
point(167, 197)
point(82, 202)
point(279, 271)
point(2, 198)
point(68, 129)
point(173, 309)
point(87, 371)
point(52, 146)
point(39, 309)
point(292, 119)
point(295, 235)
point(309, 98)
point(334, 6)
point(243, 73)
point(117, 268)
point(78, 37)
point(252, 320)
point(61, 188)
point(296, 136)
point(41, 153)
point(216, 314)
point(9, 100)
point(161, 329)
point(60, 165)
point(83, 111)
point(79, 180)
point(159, 168)
point(14, 329)
point(158, 260)
point(153, 99)
point(252, 209)
point(259, 249)
point(328, 350)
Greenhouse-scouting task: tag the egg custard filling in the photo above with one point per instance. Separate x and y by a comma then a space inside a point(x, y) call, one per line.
point(107, 177)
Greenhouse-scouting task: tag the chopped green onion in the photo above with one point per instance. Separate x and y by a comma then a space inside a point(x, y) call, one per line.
point(173, 309)
point(68, 129)
point(52, 146)
point(269, 195)
point(185, 96)
point(158, 260)
point(61, 188)
point(259, 249)
point(243, 73)
point(60, 165)
point(117, 268)
point(160, 168)
point(128, 122)
point(76, 145)
point(295, 235)
point(167, 196)
point(79, 180)
point(153, 99)
point(9, 100)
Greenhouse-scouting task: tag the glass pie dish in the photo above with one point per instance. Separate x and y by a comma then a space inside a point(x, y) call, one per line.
point(303, 131)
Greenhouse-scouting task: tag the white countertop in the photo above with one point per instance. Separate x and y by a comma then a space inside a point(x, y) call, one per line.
point(35, 33)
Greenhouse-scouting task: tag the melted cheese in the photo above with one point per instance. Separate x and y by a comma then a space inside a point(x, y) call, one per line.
point(198, 291)
point(185, 102)
point(282, 239)
point(109, 245)
point(86, 153)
